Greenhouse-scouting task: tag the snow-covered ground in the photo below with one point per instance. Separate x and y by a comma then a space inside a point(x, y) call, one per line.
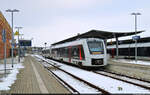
point(76, 84)
point(133, 61)
point(109, 84)
point(7, 81)
point(126, 78)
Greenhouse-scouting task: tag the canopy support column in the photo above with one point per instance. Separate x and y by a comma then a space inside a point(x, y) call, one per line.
point(105, 42)
point(117, 50)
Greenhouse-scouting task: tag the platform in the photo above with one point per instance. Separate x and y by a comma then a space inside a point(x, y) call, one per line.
point(34, 78)
point(140, 71)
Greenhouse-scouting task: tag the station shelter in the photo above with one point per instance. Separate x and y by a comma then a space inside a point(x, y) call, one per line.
point(4, 25)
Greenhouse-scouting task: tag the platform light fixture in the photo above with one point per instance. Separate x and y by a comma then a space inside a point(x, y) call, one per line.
point(12, 34)
point(135, 15)
point(45, 44)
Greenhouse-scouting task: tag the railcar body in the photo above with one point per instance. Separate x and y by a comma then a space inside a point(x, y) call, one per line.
point(143, 49)
point(46, 52)
point(90, 52)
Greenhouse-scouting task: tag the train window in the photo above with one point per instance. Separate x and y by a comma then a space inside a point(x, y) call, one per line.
point(66, 51)
point(54, 52)
point(75, 52)
point(61, 52)
point(95, 47)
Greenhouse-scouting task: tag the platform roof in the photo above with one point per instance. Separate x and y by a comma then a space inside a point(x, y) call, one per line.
point(98, 34)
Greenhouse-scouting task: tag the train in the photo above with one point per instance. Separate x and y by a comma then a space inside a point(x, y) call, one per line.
point(127, 48)
point(87, 52)
point(46, 52)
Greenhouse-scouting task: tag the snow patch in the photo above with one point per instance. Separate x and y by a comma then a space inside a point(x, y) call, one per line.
point(133, 61)
point(109, 84)
point(7, 81)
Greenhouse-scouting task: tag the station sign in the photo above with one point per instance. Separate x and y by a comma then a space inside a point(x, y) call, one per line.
point(4, 35)
point(120, 42)
point(16, 33)
point(25, 42)
point(136, 38)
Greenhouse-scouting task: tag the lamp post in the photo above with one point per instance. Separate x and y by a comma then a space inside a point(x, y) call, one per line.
point(135, 15)
point(21, 36)
point(45, 48)
point(12, 34)
point(45, 45)
point(18, 43)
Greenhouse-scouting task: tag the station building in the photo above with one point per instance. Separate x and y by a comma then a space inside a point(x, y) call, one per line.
point(4, 25)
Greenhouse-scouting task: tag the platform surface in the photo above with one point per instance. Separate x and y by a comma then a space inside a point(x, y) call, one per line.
point(34, 78)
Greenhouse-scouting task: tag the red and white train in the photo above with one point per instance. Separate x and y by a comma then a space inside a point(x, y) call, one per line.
point(89, 52)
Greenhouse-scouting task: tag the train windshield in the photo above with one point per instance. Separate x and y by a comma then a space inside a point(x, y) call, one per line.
point(95, 47)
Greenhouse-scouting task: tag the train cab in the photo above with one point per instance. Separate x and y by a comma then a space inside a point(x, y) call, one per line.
point(96, 53)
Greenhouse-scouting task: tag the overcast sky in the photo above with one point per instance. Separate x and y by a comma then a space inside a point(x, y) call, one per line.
point(54, 20)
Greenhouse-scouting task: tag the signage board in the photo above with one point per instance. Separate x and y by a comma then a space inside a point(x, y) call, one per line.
point(136, 37)
point(25, 42)
point(4, 35)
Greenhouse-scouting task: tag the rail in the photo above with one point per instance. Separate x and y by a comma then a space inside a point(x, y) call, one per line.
point(88, 83)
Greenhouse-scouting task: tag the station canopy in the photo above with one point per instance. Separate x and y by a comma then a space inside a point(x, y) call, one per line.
point(98, 34)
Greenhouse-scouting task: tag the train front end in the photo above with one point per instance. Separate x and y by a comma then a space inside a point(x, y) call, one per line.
point(96, 52)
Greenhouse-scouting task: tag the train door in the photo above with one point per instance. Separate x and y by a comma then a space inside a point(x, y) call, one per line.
point(80, 56)
point(112, 52)
point(81, 52)
point(69, 54)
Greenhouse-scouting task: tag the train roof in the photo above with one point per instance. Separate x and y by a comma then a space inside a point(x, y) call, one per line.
point(98, 34)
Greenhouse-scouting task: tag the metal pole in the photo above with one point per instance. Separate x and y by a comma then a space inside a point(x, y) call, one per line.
point(4, 41)
point(117, 50)
point(12, 46)
point(135, 40)
point(5, 56)
point(18, 47)
point(18, 44)
point(135, 14)
point(12, 34)
point(21, 36)
point(45, 45)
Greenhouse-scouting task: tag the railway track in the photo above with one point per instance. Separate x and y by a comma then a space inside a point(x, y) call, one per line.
point(130, 80)
point(133, 80)
point(126, 76)
point(139, 83)
point(62, 81)
point(77, 78)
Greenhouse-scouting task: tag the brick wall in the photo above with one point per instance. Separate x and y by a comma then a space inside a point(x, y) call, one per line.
point(4, 25)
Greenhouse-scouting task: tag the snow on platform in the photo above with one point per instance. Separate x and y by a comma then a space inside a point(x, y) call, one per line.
point(10, 78)
point(132, 61)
